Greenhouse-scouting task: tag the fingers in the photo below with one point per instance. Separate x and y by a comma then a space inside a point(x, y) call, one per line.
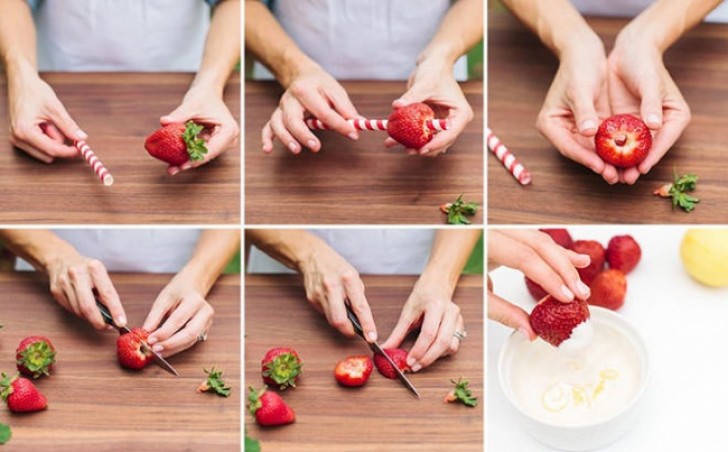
point(651, 105)
point(161, 306)
point(675, 123)
point(33, 140)
point(107, 292)
point(189, 335)
point(354, 288)
point(564, 141)
point(509, 315)
point(282, 134)
point(82, 287)
point(335, 309)
point(63, 121)
point(445, 334)
point(319, 107)
point(428, 334)
point(293, 121)
point(401, 329)
point(178, 317)
point(266, 138)
point(585, 114)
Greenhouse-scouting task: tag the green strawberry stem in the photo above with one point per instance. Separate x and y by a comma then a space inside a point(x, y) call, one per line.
point(254, 402)
point(5, 433)
point(214, 383)
point(459, 211)
point(463, 394)
point(195, 146)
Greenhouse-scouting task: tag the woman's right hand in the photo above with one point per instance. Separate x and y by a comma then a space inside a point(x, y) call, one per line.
point(39, 123)
point(311, 93)
point(330, 281)
point(73, 281)
point(576, 100)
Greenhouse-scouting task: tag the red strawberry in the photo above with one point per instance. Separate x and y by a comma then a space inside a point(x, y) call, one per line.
point(623, 140)
point(21, 395)
point(623, 253)
point(281, 367)
point(407, 125)
point(554, 321)
point(130, 351)
point(269, 408)
point(354, 370)
point(399, 357)
point(608, 289)
point(561, 237)
point(596, 252)
point(177, 143)
point(35, 356)
point(536, 291)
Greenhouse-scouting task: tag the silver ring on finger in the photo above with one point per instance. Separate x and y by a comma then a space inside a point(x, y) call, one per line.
point(202, 337)
point(460, 335)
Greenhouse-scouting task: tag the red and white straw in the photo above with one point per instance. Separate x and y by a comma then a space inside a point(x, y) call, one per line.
point(103, 174)
point(377, 124)
point(507, 158)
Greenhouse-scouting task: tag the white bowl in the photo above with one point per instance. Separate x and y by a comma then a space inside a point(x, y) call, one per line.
point(587, 436)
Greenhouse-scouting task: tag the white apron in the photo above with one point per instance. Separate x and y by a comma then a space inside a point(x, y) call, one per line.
point(121, 35)
point(131, 250)
point(363, 39)
point(370, 251)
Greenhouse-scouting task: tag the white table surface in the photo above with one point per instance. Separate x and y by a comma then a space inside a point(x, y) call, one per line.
point(683, 324)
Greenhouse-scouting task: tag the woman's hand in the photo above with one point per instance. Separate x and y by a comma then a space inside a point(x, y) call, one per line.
point(311, 93)
point(429, 307)
point(640, 84)
point(180, 316)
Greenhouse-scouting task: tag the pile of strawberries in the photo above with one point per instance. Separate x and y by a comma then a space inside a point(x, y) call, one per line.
point(35, 357)
point(606, 273)
point(281, 369)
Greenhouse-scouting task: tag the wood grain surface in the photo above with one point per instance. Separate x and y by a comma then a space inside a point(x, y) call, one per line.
point(520, 72)
point(118, 112)
point(94, 404)
point(382, 415)
point(357, 182)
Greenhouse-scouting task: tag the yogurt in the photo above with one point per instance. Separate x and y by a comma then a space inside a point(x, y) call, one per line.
point(582, 384)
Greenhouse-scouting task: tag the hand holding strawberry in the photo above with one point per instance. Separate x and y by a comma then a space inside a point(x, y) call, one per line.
point(177, 143)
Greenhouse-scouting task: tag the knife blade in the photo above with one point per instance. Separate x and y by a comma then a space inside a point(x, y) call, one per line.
point(376, 348)
point(161, 362)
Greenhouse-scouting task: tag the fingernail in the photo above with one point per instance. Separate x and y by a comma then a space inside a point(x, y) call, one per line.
point(416, 367)
point(186, 166)
point(567, 293)
point(157, 348)
point(151, 340)
point(524, 333)
point(353, 136)
point(587, 124)
point(411, 361)
point(121, 321)
point(424, 151)
point(583, 288)
point(292, 146)
point(81, 135)
point(653, 119)
point(173, 171)
point(311, 144)
point(372, 336)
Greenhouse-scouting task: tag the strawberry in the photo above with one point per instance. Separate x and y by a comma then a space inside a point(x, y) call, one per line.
point(623, 140)
point(269, 408)
point(554, 321)
point(536, 291)
point(21, 395)
point(596, 252)
point(623, 253)
point(560, 236)
point(177, 143)
point(399, 357)
point(354, 370)
point(407, 125)
point(608, 289)
point(281, 367)
point(131, 351)
point(35, 356)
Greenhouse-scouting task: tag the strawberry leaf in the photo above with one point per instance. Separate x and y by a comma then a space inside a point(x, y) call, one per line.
point(459, 211)
point(5, 433)
point(214, 383)
point(463, 393)
point(678, 191)
point(195, 146)
point(251, 444)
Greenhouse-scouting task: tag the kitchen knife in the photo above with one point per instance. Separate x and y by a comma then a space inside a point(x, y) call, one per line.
point(161, 362)
point(376, 348)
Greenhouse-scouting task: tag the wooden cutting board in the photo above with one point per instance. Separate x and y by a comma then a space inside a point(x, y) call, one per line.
point(382, 415)
point(118, 111)
point(94, 404)
point(358, 182)
point(520, 72)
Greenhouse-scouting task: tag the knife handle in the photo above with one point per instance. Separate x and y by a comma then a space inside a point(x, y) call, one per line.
point(105, 313)
point(354, 321)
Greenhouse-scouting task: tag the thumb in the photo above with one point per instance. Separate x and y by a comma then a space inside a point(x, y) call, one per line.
point(411, 96)
point(509, 315)
point(585, 114)
point(177, 115)
point(651, 107)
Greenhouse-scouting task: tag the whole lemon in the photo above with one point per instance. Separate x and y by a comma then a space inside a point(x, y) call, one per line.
point(704, 254)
